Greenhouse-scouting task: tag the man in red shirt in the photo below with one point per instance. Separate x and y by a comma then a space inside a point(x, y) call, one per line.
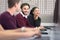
point(22, 16)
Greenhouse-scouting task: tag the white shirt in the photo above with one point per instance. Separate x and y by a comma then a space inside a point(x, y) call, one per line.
point(23, 15)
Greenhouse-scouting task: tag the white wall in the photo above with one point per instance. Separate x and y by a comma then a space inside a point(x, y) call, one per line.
point(3, 5)
point(46, 8)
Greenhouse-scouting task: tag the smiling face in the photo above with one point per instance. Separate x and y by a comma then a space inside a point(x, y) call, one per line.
point(36, 12)
point(25, 9)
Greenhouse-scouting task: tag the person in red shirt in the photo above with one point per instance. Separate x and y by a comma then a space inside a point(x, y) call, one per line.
point(22, 16)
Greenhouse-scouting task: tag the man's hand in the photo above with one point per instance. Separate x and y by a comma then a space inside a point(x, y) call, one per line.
point(37, 32)
point(41, 27)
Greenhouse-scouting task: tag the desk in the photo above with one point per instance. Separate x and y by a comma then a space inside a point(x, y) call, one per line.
point(48, 36)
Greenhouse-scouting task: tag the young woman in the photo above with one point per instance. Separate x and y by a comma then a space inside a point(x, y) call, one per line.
point(34, 18)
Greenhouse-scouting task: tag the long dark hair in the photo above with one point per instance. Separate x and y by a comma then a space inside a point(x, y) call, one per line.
point(32, 10)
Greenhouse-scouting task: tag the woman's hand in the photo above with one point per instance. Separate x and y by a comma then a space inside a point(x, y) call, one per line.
point(36, 17)
point(41, 27)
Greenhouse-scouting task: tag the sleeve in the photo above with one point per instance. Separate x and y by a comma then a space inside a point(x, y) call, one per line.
point(7, 23)
point(37, 22)
point(20, 22)
point(29, 25)
point(30, 19)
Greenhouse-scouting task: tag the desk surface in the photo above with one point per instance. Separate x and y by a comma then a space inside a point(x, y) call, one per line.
point(48, 36)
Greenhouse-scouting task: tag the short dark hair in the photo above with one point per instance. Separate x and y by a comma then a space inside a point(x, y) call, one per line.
point(11, 3)
point(32, 10)
point(24, 4)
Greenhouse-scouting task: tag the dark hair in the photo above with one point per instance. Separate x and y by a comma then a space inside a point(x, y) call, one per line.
point(32, 10)
point(11, 3)
point(24, 4)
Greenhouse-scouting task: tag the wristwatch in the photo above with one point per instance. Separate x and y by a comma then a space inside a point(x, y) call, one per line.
point(23, 29)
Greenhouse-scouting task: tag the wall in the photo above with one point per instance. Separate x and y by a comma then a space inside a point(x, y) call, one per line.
point(3, 5)
point(46, 8)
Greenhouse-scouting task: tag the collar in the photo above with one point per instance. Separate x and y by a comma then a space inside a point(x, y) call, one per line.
point(23, 15)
